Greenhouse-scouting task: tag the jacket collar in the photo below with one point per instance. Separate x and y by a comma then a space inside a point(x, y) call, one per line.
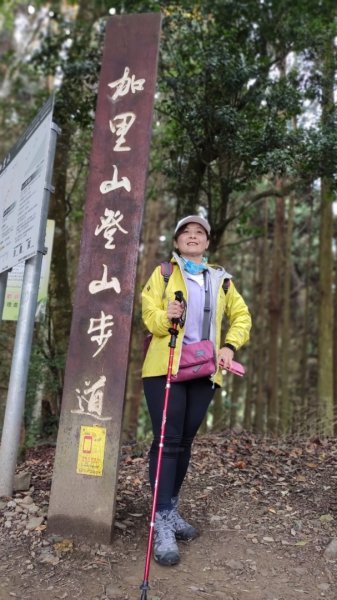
point(215, 271)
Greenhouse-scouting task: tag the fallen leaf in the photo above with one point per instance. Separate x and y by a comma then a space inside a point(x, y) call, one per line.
point(240, 464)
point(326, 518)
point(63, 547)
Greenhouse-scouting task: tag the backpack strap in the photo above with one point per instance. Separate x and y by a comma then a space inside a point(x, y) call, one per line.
point(166, 269)
point(225, 285)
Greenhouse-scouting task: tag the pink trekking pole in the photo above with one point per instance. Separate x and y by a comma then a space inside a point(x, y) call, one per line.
point(172, 344)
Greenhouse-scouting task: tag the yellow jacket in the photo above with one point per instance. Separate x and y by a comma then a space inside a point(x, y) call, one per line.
point(155, 298)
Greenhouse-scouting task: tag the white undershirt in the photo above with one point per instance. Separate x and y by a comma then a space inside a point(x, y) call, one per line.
point(199, 278)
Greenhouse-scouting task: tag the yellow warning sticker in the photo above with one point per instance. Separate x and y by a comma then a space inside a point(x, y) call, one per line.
point(91, 450)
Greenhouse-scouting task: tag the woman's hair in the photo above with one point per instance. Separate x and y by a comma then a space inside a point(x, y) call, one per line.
point(181, 229)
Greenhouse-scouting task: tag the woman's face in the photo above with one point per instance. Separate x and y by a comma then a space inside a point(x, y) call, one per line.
point(192, 242)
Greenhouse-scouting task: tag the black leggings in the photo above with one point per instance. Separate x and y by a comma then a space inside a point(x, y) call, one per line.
point(187, 406)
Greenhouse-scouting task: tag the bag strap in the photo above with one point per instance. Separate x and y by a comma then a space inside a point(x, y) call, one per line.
point(225, 285)
point(166, 269)
point(206, 323)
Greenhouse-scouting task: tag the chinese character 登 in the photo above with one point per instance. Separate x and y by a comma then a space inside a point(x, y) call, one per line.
point(110, 224)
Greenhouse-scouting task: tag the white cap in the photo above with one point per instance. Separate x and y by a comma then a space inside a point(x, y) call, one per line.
point(193, 219)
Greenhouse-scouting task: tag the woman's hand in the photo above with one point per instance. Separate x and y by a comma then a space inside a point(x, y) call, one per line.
point(225, 357)
point(175, 309)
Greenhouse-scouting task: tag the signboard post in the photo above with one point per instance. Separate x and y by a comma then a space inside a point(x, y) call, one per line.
point(84, 483)
point(25, 185)
point(3, 285)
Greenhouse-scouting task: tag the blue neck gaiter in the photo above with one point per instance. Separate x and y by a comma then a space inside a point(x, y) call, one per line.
point(194, 268)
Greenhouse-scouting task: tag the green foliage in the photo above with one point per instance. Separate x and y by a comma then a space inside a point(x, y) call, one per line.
point(247, 225)
point(35, 378)
point(43, 387)
point(229, 101)
point(144, 423)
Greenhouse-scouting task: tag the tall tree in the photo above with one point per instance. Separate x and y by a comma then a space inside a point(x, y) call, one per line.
point(325, 324)
point(335, 337)
point(285, 405)
point(275, 312)
point(261, 303)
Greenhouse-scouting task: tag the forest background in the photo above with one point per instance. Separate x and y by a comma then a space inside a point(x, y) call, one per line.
point(245, 133)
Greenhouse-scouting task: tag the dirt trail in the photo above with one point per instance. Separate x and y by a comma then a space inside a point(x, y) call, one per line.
point(266, 514)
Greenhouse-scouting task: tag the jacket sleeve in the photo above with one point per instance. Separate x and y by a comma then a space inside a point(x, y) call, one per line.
point(154, 309)
point(239, 318)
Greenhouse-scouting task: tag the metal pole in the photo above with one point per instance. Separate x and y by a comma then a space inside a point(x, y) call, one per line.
point(3, 285)
point(23, 342)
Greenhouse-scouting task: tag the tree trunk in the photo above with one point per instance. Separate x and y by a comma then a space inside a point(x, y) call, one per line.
point(260, 303)
point(59, 289)
point(305, 413)
point(235, 396)
point(325, 342)
point(252, 370)
point(248, 404)
point(146, 264)
point(335, 342)
point(325, 323)
point(275, 318)
point(217, 411)
point(285, 412)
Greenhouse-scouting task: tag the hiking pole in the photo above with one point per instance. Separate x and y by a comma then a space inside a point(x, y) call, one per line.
point(172, 344)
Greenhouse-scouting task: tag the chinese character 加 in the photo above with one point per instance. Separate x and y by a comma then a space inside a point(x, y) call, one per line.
point(125, 84)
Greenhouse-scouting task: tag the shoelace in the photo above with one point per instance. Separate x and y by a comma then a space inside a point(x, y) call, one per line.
point(165, 532)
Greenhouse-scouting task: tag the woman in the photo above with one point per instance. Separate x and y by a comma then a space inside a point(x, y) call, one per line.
point(188, 400)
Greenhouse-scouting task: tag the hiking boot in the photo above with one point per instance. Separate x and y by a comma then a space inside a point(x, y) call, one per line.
point(165, 546)
point(183, 530)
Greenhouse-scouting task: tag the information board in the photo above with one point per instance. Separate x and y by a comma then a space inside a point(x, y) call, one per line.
point(15, 279)
point(22, 186)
